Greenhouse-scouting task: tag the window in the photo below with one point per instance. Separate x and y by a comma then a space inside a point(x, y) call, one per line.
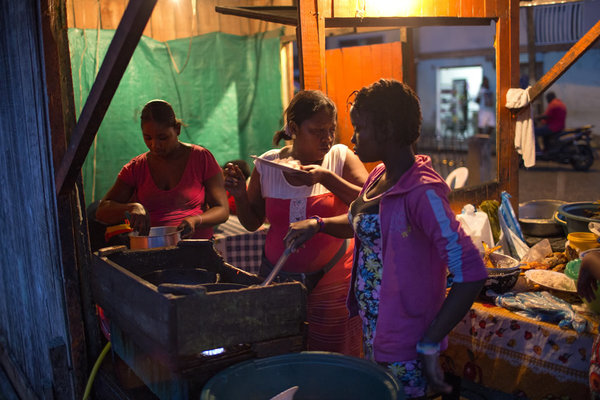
point(558, 23)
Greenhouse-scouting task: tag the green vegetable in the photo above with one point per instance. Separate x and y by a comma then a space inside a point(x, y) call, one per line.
point(490, 207)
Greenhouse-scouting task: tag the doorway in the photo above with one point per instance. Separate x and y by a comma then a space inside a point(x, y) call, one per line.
point(456, 114)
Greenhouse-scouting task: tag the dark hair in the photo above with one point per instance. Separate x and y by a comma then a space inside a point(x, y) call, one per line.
point(303, 106)
point(160, 112)
point(550, 96)
point(243, 165)
point(386, 104)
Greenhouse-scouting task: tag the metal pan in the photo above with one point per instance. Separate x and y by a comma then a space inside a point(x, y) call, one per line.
point(536, 218)
point(159, 236)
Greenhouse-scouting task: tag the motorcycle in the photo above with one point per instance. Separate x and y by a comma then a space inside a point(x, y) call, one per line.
point(571, 146)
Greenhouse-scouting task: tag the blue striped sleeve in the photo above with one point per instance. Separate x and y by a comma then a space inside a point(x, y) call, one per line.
point(453, 249)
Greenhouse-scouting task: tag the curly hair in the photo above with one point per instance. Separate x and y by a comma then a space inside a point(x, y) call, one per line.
point(303, 106)
point(161, 112)
point(386, 104)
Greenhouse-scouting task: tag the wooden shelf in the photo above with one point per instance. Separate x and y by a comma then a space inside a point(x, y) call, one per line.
point(288, 15)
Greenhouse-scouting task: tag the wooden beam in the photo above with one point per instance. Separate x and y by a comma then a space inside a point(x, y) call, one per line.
point(311, 45)
point(565, 62)
point(412, 22)
point(288, 15)
point(113, 67)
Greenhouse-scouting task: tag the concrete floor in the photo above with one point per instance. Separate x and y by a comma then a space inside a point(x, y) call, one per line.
point(547, 180)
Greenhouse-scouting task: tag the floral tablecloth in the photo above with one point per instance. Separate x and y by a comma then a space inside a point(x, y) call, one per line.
point(521, 356)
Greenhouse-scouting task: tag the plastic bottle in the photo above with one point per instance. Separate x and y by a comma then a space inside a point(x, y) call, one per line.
point(477, 225)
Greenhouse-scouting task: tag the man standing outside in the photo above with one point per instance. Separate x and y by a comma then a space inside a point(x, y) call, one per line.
point(487, 113)
point(479, 159)
point(553, 120)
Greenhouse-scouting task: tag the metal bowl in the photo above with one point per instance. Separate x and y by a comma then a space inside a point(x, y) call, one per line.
point(159, 236)
point(536, 218)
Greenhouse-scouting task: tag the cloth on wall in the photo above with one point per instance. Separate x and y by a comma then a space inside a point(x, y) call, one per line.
point(524, 132)
point(225, 88)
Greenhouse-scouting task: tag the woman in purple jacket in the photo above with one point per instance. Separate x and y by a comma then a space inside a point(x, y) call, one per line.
point(407, 239)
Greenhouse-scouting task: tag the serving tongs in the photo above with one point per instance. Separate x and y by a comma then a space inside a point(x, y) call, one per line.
point(286, 253)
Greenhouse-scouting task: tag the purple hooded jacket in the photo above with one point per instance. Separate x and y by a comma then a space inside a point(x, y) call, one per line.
point(421, 241)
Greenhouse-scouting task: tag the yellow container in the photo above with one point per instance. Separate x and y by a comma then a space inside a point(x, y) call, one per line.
point(583, 240)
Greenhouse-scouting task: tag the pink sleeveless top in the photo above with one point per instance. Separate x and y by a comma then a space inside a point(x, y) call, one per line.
point(170, 207)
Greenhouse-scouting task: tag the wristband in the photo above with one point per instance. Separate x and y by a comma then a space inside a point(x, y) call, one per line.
point(319, 221)
point(428, 348)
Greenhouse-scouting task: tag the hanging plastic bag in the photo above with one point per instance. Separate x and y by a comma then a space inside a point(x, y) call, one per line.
point(477, 225)
point(511, 237)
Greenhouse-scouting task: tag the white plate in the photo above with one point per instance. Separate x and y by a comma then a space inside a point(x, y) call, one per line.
point(277, 165)
point(551, 280)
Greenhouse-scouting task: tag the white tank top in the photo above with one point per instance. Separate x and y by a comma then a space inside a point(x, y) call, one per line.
point(274, 185)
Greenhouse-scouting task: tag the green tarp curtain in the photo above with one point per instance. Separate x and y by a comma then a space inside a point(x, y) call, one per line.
point(225, 88)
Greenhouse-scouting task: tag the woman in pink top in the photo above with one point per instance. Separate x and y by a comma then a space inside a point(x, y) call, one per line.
point(327, 179)
point(406, 240)
point(173, 184)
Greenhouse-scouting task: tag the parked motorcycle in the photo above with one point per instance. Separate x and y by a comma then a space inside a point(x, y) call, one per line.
point(571, 146)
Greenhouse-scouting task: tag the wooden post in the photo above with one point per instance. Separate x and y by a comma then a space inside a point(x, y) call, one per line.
point(507, 76)
point(310, 34)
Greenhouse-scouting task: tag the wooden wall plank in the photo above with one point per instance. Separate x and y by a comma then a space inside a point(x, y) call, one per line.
point(455, 7)
point(111, 13)
point(311, 45)
point(490, 8)
point(466, 8)
point(351, 68)
point(442, 8)
point(183, 19)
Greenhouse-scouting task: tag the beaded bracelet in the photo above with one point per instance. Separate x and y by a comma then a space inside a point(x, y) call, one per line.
point(319, 221)
point(428, 348)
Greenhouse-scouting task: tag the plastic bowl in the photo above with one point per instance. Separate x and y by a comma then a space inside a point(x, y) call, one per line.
point(501, 280)
point(583, 240)
point(572, 271)
point(318, 375)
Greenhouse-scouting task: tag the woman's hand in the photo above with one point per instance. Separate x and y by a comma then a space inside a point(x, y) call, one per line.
point(307, 175)
point(235, 182)
point(433, 372)
point(187, 227)
point(300, 232)
point(139, 220)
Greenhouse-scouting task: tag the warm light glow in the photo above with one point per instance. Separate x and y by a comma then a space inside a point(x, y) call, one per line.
point(391, 8)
